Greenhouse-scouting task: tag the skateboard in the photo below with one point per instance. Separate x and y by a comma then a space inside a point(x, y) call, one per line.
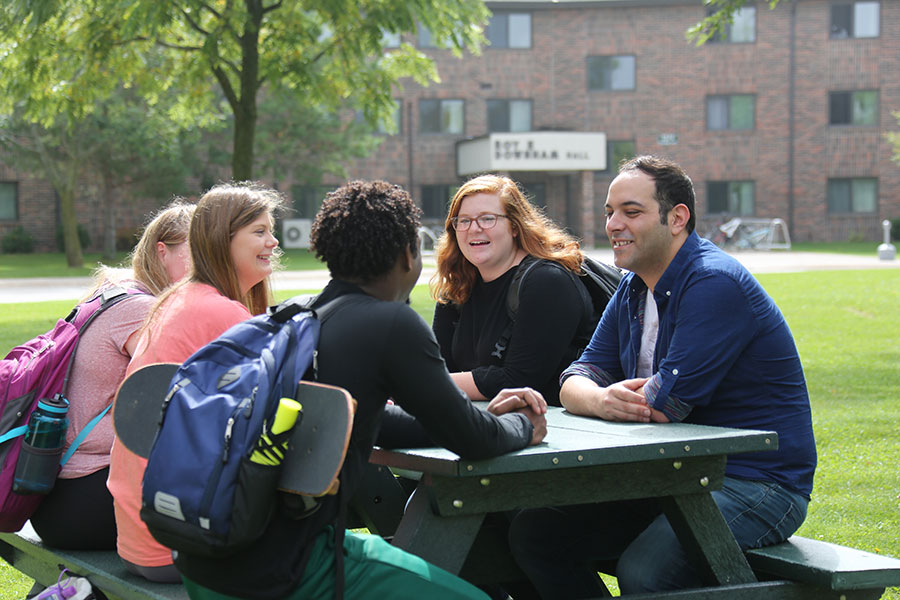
point(318, 441)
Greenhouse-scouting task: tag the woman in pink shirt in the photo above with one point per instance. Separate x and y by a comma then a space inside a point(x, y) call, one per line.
point(78, 512)
point(233, 252)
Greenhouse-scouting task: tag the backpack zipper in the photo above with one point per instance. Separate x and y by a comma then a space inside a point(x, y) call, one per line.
point(220, 465)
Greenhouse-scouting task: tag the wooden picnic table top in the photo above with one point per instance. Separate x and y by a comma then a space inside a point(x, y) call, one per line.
point(576, 441)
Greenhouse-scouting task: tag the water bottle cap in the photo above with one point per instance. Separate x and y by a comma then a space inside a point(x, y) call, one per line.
point(57, 404)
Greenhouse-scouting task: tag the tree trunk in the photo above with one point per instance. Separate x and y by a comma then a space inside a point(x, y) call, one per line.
point(109, 220)
point(245, 109)
point(74, 257)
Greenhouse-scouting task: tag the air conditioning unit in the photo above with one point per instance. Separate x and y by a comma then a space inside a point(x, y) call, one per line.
point(295, 233)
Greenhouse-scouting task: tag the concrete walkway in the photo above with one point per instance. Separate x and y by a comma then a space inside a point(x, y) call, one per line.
point(14, 291)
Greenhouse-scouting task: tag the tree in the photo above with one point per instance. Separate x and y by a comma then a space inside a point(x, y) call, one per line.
point(324, 53)
point(123, 141)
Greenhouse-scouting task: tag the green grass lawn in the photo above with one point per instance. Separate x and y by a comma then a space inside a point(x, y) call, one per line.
point(846, 324)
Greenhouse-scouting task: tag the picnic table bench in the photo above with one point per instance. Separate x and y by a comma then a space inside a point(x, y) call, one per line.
point(103, 568)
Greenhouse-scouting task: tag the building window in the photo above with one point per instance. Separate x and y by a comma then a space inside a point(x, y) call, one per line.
point(730, 112)
point(9, 201)
point(616, 152)
point(509, 115)
point(306, 200)
point(742, 28)
point(855, 20)
point(509, 30)
point(536, 193)
point(610, 72)
point(853, 108)
point(441, 116)
point(729, 197)
point(436, 201)
point(853, 195)
point(390, 39)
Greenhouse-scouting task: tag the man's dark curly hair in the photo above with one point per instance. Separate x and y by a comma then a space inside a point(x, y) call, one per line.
point(363, 227)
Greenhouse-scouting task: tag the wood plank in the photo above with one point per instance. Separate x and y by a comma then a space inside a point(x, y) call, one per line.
point(771, 590)
point(105, 570)
point(580, 441)
point(443, 541)
point(706, 538)
point(454, 496)
point(827, 565)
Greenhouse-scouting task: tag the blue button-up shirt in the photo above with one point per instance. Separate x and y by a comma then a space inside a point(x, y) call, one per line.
point(724, 356)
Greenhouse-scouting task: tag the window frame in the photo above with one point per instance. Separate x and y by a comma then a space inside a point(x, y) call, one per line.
point(14, 186)
point(829, 199)
point(729, 191)
point(727, 36)
point(590, 69)
point(508, 102)
point(506, 14)
point(730, 98)
point(440, 103)
point(851, 103)
point(308, 195)
point(850, 33)
point(612, 165)
point(427, 193)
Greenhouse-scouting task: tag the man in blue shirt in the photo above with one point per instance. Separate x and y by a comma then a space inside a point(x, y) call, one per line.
point(689, 336)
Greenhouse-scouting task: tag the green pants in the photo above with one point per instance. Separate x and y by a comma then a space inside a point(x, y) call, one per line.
point(372, 569)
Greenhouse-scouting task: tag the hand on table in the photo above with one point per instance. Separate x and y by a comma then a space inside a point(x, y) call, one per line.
point(527, 401)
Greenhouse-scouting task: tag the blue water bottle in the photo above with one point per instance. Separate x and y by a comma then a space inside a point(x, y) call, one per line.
point(42, 448)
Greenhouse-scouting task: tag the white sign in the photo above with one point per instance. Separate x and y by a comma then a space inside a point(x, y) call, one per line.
point(295, 233)
point(667, 139)
point(532, 151)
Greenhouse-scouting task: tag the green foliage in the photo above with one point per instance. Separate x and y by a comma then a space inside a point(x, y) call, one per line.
point(18, 241)
point(63, 56)
point(722, 15)
point(84, 238)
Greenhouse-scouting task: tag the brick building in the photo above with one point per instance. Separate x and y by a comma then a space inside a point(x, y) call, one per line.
point(784, 116)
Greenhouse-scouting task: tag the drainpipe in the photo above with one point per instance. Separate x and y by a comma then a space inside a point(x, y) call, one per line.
point(792, 70)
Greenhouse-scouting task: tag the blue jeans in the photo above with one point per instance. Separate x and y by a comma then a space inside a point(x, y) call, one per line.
point(558, 548)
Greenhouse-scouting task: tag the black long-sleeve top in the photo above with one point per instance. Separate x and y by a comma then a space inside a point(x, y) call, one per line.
point(553, 307)
point(376, 350)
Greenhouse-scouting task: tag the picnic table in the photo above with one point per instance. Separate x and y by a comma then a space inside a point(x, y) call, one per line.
point(582, 460)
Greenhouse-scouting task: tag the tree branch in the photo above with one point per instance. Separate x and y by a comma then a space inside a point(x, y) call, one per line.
point(192, 23)
point(177, 47)
point(272, 7)
point(227, 89)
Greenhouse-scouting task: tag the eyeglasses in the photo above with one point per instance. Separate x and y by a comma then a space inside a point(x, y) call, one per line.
point(485, 221)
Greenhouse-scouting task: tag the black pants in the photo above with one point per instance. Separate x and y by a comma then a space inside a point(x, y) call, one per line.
point(78, 514)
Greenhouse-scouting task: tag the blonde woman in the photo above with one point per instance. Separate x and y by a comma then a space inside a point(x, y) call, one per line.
point(233, 252)
point(78, 513)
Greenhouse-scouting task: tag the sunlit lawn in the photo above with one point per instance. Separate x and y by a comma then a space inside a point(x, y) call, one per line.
point(847, 327)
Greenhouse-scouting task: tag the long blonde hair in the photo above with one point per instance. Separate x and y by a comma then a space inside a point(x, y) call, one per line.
point(170, 226)
point(538, 236)
point(220, 213)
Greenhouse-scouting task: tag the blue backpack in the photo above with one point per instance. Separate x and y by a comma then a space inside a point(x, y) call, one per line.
point(201, 492)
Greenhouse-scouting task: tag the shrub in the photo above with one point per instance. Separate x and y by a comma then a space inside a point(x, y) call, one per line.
point(83, 236)
point(18, 241)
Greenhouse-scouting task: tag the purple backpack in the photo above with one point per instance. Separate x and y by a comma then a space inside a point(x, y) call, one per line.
point(39, 369)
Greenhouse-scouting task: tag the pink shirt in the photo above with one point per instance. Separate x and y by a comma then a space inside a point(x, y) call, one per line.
point(192, 316)
point(97, 371)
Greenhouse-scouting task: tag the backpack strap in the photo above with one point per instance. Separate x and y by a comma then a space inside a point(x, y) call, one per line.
point(108, 298)
point(512, 301)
